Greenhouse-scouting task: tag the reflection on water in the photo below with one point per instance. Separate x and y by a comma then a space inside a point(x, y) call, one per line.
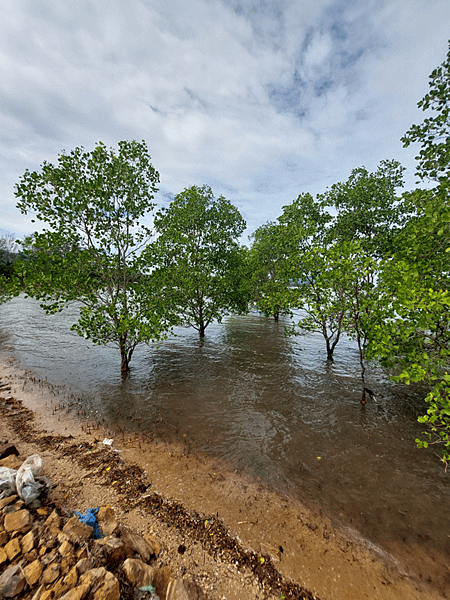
point(269, 406)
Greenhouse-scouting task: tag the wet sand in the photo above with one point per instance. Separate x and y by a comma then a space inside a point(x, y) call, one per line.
point(304, 546)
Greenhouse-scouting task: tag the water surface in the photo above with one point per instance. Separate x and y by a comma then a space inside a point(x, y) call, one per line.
point(268, 406)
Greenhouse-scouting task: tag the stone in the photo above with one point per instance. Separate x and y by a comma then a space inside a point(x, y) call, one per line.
point(113, 549)
point(180, 589)
point(3, 557)
point(66, 549)
point(53, 523)
point(50, 557)
point(135, 544)
point(38, 594)
point(33, 555)
point(11, 462)
point(33, 572)
point(71, 578)
point(42, 512)
point(82, 553)
point(30, 540)
point(153, 544)
point(51, 573)
point(107, 520)
point(78, 593)
point(13, 507)
point(3, 537)
point(20, 521)
point(13, 549)
point(84, 565)
point(161, 580)
point(7, 450)
point(103, 584)
point(12, 582)
point(8, 500)
point(76, 531)
point(137, 572)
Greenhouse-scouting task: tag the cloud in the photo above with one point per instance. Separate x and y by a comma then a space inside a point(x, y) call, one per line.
point(261, 100)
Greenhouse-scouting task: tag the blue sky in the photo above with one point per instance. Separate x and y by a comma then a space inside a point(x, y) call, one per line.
point(261, 100)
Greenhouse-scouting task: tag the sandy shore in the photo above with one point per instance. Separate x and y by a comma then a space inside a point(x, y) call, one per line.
point(263, 545)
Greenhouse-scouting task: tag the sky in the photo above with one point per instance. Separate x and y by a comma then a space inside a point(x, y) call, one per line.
point(260, 99)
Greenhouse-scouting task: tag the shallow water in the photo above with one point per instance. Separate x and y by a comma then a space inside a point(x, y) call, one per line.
point(266, 405)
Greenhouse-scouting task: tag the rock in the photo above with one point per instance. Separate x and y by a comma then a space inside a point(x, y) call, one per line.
point(20, 521)
point(112, 548)
point(5, 501)
point(66, 549)
point(11, 462)
point(138, 573)
point(3, 537)
point(53, 523)
point(12, 582)
point(153, 543)
point(8, 450)
point(13, 549)
point(13, 507)
point(38, 594)
point(71, 578)
point(76, 531)
point(103, 585)
point(78, 593)
point(51, 573)
point(33, 555)
point(33, 572)
point(135, 544)
point(179, 589)
point(30, 540)
point(84, 565)
point(161, 580)
point(3, 557)
point(107, 520)
point(82, 553)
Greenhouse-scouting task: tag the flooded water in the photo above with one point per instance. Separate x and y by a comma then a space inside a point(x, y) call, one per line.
point(268, 406)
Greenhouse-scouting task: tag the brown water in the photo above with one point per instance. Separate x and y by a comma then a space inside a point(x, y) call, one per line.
point(268, 406)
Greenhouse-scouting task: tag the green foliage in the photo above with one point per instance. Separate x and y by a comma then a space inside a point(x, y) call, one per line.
point(433, 134)
point(201, 265)
point(94, 204)
point(368, 209)
point(269, 282)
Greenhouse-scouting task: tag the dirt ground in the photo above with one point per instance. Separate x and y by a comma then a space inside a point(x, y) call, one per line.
point(234, 538)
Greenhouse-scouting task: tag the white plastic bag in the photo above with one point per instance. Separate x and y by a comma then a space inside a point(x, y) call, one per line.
point(7, 482)
point(28, 483)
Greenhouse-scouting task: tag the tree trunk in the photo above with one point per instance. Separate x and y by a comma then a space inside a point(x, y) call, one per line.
point(330, 350)
point(124, 366)
point(276, 316)
point(201, 330)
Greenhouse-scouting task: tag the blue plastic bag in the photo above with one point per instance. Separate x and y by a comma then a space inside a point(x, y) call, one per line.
point(90, 519)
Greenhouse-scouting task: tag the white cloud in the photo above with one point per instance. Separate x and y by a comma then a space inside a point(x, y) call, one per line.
point(262, 100)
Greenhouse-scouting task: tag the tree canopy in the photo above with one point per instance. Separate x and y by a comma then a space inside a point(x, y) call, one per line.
point(95, 206)
point(200, 261)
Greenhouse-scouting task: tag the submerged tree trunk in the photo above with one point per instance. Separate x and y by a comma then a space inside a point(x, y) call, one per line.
point(125, 355)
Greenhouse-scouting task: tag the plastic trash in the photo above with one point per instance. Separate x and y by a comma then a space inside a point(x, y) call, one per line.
point(108, 441)
point(26, 482)
point(29, 483)
point(7, 482)
point(90, 519)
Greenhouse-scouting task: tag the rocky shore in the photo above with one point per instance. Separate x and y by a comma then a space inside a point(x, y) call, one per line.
point(206, 533)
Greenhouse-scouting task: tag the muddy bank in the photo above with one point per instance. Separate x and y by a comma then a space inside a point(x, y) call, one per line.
point(177, 493)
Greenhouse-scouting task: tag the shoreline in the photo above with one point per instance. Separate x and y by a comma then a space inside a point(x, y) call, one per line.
point(302, 547)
